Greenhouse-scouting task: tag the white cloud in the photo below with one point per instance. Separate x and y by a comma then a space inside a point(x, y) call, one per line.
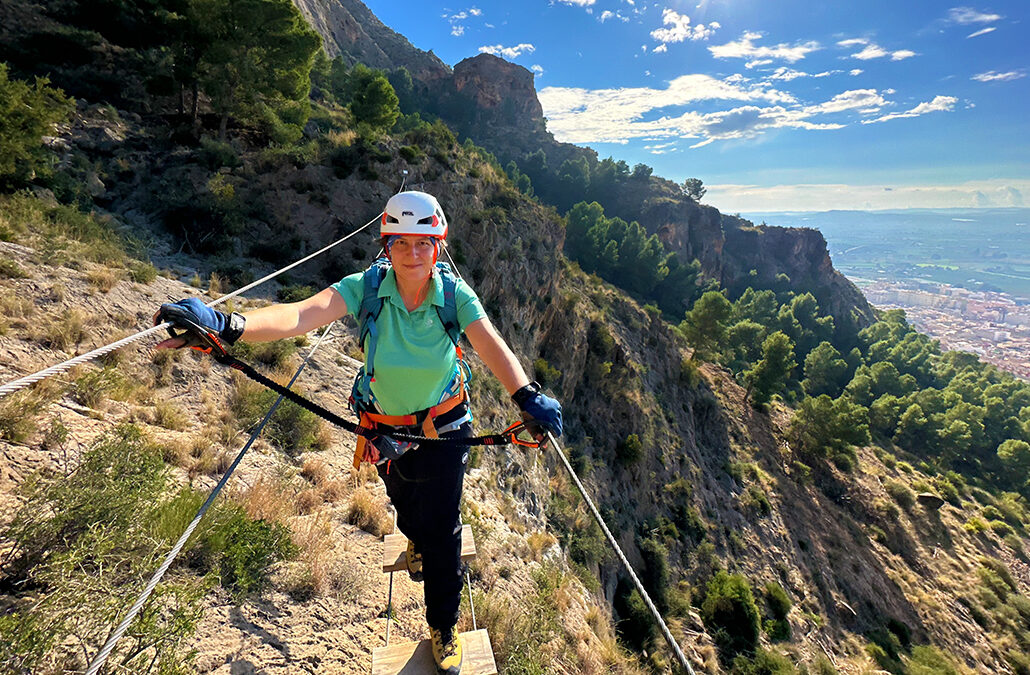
point(538, 69)
point(992, 76)
point(855, 71)
point(605, 15)
point(871, 50)
point(788, 74)
point(578, 3)
point(757, 63)
point(823, 197)
point(507, 52)
point(457, 27)
point(660, 49)
point(968, 15)
point(982, 31)
point(745, 48)
point(938, 104)
point(678, 28)
point(849, 100)
point(615, 115)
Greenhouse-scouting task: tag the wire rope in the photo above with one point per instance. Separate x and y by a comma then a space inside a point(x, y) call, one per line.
point(65, 366)
point(105, 651)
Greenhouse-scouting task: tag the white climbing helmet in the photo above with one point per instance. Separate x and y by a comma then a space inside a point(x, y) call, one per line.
point(415, 213)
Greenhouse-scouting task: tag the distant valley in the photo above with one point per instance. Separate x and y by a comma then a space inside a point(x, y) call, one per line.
point(976, 249)
point(961, 275)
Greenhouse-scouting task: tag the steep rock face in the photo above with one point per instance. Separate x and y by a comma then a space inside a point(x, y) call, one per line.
point(350, 29)
point(801, 254)
point(496, 103)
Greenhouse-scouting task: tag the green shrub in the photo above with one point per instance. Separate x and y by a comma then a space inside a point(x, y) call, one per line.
point(20, 410)
point(277, 354)
point(294, 293)
point(29, 113)
point(763, 663)
point(96, 385)
point(292, 429)
point(1000, 528)
point(975, 525)
point(730, 614)
point(142, 272)
point(900, 493)
point(251, 547)
point(753, 500)
point(630, 451)
point(546, 374)
point(11, 270)
point(215, 154)
point(928, 660)
point(81, 543)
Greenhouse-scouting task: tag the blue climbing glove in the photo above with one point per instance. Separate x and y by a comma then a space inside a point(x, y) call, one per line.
point(228, 327)
point(540, 413)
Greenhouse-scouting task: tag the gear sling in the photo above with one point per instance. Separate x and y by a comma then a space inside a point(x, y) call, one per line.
point(362, 400)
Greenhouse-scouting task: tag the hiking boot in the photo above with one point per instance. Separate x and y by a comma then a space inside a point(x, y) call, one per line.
point(446, 651)
point(413, 561)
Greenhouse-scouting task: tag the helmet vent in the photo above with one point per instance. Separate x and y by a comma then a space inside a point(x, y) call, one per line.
point(425, 221)
point(391, 219)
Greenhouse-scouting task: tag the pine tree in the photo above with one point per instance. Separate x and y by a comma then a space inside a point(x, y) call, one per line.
point(770, 373)
point(27, 114)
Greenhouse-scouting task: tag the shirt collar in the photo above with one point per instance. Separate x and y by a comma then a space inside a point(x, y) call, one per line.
point(388, 289)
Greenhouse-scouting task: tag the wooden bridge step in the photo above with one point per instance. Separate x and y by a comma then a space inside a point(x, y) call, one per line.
point(416, 658)
point(395, 550)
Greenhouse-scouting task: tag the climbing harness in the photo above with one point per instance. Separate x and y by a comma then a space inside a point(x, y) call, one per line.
point(380, 446)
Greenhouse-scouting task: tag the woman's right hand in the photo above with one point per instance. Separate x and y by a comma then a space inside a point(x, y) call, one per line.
point(192, 311)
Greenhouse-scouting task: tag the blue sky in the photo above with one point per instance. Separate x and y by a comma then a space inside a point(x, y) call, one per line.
point(782, 105)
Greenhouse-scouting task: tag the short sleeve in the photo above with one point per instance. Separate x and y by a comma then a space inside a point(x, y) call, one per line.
point(469, 308)
point(352, 288)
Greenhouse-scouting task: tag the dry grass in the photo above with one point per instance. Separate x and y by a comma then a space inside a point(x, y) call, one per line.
point(58, 292)
point(315, 471)
point(333, 491)
point(169, 415)
point(214, 285)
point(366, 474)
point(369, 513)
point(18, 411)
point(308, 500)
point(341, 139)
point(539, 542)
point(64, 331)
point(103, 278)
point(268, 499)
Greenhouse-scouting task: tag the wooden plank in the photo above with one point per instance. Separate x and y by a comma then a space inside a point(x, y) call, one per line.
point(395, 550)
point(416, 658)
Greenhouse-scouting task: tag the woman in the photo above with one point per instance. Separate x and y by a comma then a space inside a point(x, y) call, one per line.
point(414, 384)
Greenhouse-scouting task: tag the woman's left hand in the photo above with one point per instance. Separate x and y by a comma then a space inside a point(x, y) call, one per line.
point(542, 411)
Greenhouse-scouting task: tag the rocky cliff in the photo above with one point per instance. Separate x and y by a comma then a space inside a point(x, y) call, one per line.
point(494, 102)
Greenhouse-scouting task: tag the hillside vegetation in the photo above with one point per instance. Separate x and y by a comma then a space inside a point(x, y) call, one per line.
point(802, 486)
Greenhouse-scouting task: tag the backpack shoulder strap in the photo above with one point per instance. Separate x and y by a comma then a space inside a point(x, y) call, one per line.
point(449, 312)
point(371, 306)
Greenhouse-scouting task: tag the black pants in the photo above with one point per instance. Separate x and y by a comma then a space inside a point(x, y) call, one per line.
point(425, 487)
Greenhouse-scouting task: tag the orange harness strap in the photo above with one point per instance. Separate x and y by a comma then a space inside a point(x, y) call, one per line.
point(366, 452)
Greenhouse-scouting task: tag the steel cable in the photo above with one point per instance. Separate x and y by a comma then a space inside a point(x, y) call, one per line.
point(680, 656)
point(105, 651)
point(65, 366)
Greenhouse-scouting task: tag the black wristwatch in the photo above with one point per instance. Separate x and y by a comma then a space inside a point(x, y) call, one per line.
point(525, 393)
point(233, 328)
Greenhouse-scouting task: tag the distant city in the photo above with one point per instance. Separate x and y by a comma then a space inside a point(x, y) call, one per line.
point(991, 325)
point(961, 275)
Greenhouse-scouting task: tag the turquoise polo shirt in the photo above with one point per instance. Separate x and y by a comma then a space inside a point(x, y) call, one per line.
point(415, 359)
